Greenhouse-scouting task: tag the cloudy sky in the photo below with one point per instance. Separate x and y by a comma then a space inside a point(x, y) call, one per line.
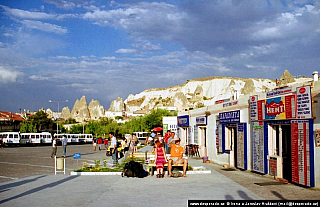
point(64, 49)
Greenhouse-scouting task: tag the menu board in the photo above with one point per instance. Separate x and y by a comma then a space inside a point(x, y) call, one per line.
point(290, 106)
point(258, 147)
point(254, 108)
point(304, 102)
point(300, 152)
point(261, 110)
point(195, 138)
point(220, 137)
point(240, 146)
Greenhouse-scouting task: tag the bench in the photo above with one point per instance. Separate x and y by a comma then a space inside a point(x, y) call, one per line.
point(152, 167)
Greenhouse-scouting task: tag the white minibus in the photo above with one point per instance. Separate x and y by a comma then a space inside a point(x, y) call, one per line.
point(10, 137)
point(31, 138)
point(46, 138)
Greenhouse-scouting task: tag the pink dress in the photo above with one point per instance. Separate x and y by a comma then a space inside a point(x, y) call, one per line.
point(160, 158)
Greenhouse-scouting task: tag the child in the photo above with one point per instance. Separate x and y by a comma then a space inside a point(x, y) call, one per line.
point(160, 158)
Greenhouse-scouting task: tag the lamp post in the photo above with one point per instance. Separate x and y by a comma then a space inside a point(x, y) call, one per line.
point(58, 112)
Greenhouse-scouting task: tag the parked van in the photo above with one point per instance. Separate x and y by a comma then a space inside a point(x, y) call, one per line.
point(46, 138)
point(30, 138)
point(10, 137)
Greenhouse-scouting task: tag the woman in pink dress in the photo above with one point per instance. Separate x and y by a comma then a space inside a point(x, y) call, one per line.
point(160, 158)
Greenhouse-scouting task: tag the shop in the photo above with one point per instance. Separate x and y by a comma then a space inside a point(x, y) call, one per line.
point(200, 135)
point(184, 130)
point(282, 135)
point(233, 138)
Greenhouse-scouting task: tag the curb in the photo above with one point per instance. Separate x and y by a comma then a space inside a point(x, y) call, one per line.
point(119, 173)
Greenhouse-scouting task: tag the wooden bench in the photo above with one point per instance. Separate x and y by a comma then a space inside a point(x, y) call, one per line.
point(152, 167)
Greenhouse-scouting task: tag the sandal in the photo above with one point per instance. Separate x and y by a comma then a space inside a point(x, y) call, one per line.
point(158, 175)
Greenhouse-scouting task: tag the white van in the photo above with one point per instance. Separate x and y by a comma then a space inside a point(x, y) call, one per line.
point(31, 138)
point(10, 137)
point(46, 138)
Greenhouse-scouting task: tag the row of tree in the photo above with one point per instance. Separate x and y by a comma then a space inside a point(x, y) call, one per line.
point(40, 122)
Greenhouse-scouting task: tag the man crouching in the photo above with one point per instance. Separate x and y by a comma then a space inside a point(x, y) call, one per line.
point(177, 156)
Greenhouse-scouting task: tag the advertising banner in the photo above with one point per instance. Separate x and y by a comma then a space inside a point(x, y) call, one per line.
point(195, 134)
point(300, 152)
point(275, 108)
point(304, 107)
point(258, 146)
point(254, 108)
point(261, 110)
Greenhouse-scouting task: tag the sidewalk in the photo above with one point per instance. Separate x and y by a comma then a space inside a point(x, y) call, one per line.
point(65, 190)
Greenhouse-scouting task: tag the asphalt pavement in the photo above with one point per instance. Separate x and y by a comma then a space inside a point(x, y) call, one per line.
point(40, 187)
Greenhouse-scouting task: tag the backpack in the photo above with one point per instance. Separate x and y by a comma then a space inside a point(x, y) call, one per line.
point(134, 169)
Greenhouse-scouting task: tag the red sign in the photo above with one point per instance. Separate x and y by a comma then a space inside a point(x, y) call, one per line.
point(290, 104)
point(261, 108)
point(274, 109)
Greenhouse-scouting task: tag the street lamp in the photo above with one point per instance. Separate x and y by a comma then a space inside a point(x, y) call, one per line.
point(58, 113)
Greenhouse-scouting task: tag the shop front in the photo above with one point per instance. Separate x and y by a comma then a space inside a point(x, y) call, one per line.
point(233, 138)
point(184, 130)
point(200, 135)
point(282, 135)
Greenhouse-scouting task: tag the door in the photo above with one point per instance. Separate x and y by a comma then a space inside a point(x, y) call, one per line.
point(286, 152)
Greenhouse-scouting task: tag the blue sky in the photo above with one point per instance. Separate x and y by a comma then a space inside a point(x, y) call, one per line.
point(64, 49)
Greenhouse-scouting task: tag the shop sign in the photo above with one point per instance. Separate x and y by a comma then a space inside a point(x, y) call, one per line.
point(240, 146)
point(304, 102)
point(201, 120)
point(273, 166)
point(183, 121)
point(229, 117)
point(261, 110)
point(230, 104)
point(279, 92)
point(222, 101)
point(254, 108)
point(275, 108)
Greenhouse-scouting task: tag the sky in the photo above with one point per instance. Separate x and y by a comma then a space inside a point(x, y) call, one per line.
point(64, 49)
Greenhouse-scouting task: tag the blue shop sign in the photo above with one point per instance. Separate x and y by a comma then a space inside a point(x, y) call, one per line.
point(201, 120)
point(230, 117)
point(183, 121)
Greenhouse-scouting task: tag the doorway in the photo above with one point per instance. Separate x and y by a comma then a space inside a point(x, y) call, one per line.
point(231, 144)
point(286, 152)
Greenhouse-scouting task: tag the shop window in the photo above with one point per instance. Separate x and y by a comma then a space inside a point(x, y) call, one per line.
point(274, 140)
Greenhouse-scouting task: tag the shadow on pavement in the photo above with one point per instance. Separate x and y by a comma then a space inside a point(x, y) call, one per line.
point(15, 184)
point(278, 195)
point(244, 195)
point(50, 185)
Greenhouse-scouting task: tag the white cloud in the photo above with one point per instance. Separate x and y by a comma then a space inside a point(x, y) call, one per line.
point(46, 27)
point(22, 14)
point(8, 75)
point(61, 4)
point(126, 51)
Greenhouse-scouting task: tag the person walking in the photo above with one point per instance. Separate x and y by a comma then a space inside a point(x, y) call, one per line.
point(114, 151)
point(160, 159)
point(135, 144)
point(99, 143)
point(64, 145)
point(54, 148)
point(106, 143)
point(94, 144)
point(166, 138)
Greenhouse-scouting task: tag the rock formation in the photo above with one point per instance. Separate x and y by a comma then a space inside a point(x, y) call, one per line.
point(65, 113)
point(80, 111)
point(96, 110)
point(285, 79)
point(117, 105)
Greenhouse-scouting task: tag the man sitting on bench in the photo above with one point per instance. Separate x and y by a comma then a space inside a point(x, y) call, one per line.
point(177, 156)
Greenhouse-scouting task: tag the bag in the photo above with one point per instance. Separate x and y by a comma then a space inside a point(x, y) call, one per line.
point(176, 174)
point(134, 169)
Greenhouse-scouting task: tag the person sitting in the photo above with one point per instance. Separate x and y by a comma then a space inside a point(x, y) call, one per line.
point(177, 156)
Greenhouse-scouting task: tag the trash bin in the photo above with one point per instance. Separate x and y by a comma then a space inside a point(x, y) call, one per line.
point(205, 158)
point(60, 163)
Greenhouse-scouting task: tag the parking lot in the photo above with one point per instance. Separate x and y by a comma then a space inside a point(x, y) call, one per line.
point(25, 161)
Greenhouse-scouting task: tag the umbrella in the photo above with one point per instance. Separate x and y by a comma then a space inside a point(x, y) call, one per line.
point(157, 129)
